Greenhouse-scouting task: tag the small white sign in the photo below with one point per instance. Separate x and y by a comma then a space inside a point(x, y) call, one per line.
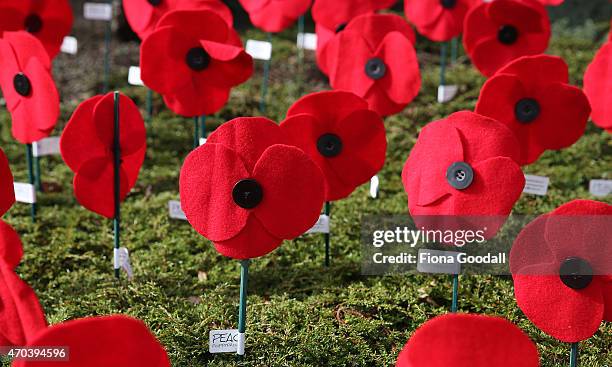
point(600, 187)
point(223, 341)
point(25, 192)
point(134, 76)
point(70, 45)
point(446, 93)
point(322, 225)
point(307, 41)
point(98, 11)
point(259, 50)
point(439, 267)
point(536, 185)
point(175, 210)
point(374, 182)
point(121, 260)
point(202, 141)
point(46, 146)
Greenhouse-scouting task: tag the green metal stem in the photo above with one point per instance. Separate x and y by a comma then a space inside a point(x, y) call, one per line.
point(574, 355)
point(31, 179)
point(107, 41)
point(300, 55)
point(196, 132)
point(454, 50)
point(244, 280)
point(202, 127)
point(455, 301)
point(37, 174)
point(116, 180)
point(149, 105)
point(327, 212)
point(264, 84)
point(443, 47)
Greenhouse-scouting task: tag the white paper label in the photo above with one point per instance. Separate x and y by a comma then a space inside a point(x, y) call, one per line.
point(70, 45)
point(307, 41)
point(202, 141)
point(322, 225)
point(134, 76)
point(259, 50)
point(98, 11)
point(438, 267)
point(175, 210)
point(374, 182)
point(446, 93)
point(600, 187)
point(223, 341)
point(122, 261)
point(46, 146)
point(25, 192)
point(536, 185)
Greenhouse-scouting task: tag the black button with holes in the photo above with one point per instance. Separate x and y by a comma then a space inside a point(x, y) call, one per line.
point(448, 4)
point(247, 193)
point(526, 110)
point(507, 34)
point(155, 2)
point(33, 23)
point(460, 175)
point(22, 85)
point(197, 59)
point(576, 273)
point(329, 145)
point(341, 27)
point(375, 68)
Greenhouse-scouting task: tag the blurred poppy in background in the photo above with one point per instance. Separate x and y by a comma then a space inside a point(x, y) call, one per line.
point(438, 20)
point(274, 15)
point(598, 87)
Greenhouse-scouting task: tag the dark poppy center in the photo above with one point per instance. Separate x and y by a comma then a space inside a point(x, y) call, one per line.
point(526, 110)
point(197, 59)
point(247, 193)
point(375, 68)
point(22, 85)
point(448, 4)
point(33, 23)
point(329, 145)
point(155, 2)
point(460, 175)
point(576, 273)
point(341, 27)
point(507, 34)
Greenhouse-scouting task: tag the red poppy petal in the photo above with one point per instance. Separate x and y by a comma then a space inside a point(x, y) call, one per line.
point(489, 55)
point(374, 27)
point(270, 19)
point(598, 87)
point(53, 32)
point(477, 25)
point(348, 72)
point(542, 69)
point(332, 13)
point(527, 15)
point(253, 5)
point(402, 80)
point(139, 14)
point(530, 248)
point(190, 101)
point(564, 313)
point(328, 105)
point(324, 35)
point(132, 164)
point(7, 191)
point(423, 12)
point(379, 101)
point(216, 6)
point(230, 65)
point(253, 241)
point(12, 15)
point(189, 24)
point(27, 47)
point(293, 191)
point(448, 26)
point(606, 289)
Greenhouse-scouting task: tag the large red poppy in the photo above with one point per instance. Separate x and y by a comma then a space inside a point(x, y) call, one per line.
point(21, 315)
point(438, 20)
point(100, 342)
point(464, 165)
point(274, 15)
point(530, 95)
point(193, 59)
point(87, 148)
point(246, 191)
point(143, 15)
point(338, 131)
point(374, 57)
point(562, 268)
point(500, 31)
point(598, 87)
point(465, 340)
point(28, 87)
point(7, 189)
point(48, 20)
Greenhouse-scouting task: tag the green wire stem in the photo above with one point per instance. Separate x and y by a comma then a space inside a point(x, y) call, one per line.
point(574, 355)
point(454, 50)
point(327, 212)
point(116, 181)
point(266, 77)
point(196, 132)
point(149, 105)
point(31, 178)
point(300, 55)
point(37, 174)
point(455, 301)
point(443, 47)
point(244, 281)
point(202, 127)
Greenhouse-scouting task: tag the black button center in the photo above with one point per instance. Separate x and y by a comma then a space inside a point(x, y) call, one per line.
point(576, 273)
point(33, 23)
point(154, 2)
point(375, 68)
point(341, 27)
point(329, 145)
point(247, 193)
point(526, 110)
point(22, 85)
point(460, 175)
point(197, 59)
point(507, 34)
point(448, 4)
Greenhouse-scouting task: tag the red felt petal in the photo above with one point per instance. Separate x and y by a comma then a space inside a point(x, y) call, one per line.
point(463, 340)
point(253, 241)
point(292, 185)
point(477, 25)
point(489, 55)
point(540, 69)
point(526, 15)
point(189, 23)
point(348, 72)
point(208, 176)
point(559, 311)
point(379, 101)
point(374, 28)
point(230, 65)
point(423, 12)
point(275, 15)
point(606, 289)
point(324, 35)
point(328, 106)
point(190, 101)
point(7, 191)
point(402, 80)
point(27, 47)
point(216, 6)
point(448, 25)
point(598, 86)
point(139, 14)
point(53, 32)
point(119, 341)
point(530, 248)
point(332, 13)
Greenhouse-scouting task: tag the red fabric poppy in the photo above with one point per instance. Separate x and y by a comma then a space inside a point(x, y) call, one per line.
point(438, 20)
point(530, 95)
point(193, 59)
point(87, 148)
point(551, 2)
point(374, 57)
point(7, 189)
point(341, 135)
point(21, 317)
point(28, 87)
point(598, 87)
point(464, 340)
point(258, 192)
point(562, 268)
point(143, 15)
point(48, 20)
point(500, 31)
point(464, 165)
point(274, 15)
point(101, 341)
